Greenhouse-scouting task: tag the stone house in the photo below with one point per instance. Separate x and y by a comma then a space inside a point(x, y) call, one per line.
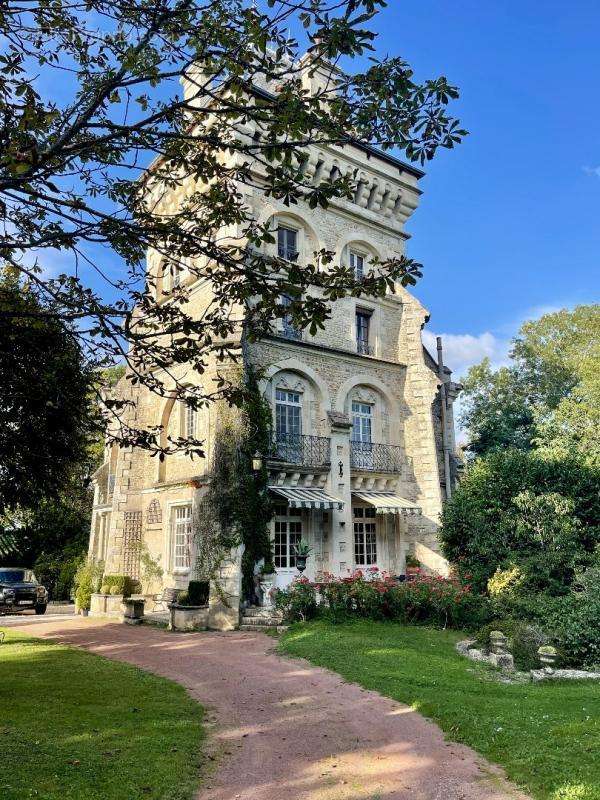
point(362, 413)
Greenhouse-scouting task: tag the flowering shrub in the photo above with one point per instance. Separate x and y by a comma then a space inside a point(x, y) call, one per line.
point(373, 594)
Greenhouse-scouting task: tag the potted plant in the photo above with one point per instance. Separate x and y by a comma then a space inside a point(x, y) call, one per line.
point(413, 565)
point(86, 583)
point(302, 552)
point(266, 581)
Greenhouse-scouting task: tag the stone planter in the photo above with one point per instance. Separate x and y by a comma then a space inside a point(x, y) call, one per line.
point(133, 610)
point(106, 605)
point(267, 584)
point(188, 618)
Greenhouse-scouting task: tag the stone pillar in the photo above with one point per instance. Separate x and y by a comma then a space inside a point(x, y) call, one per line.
point(341, 556)
point(225, 592)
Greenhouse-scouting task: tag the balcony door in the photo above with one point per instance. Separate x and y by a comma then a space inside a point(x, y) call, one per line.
point(288, 533)
point(362, 435)
point(288, 425)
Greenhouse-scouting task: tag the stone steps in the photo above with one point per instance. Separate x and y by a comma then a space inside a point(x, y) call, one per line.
point(256, 618)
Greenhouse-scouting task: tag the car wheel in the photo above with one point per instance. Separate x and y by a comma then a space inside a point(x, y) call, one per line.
point(41, 609)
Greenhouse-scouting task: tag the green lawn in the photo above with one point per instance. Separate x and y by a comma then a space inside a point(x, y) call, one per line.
point(546, 736)
point(74, 726)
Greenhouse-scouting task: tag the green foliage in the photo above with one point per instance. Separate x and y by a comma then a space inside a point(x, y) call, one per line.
point(545, 736)
point(104, 588)
point(236, 508)
point(426, 600)
point(576, 625)
point(183, 599)
point(87, 581)
point(70, 182)
point(548, 397)
point(46, 420)
point(520, 509)
point(198, 592)
point(121, 584)
point(298, 602)
point(83, 726)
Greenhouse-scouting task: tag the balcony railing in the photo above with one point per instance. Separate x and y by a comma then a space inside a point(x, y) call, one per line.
point(290, 332)
point(377, 457)
point(303, 451)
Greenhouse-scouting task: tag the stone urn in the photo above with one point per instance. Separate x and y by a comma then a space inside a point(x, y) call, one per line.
point(266, 582)
point(548, 657)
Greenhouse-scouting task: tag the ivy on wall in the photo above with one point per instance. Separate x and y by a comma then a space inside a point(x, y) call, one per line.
point(236, 508)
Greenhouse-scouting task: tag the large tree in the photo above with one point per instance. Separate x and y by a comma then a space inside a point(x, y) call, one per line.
point(47, 389)
point(548, 397)
point(90, 94)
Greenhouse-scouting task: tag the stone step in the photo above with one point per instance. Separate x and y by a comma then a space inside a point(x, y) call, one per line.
point(257, 628)
point(256, 612)
point(261, 622)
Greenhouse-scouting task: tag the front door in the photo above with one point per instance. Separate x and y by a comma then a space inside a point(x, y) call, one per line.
point(365, 536)
point(288, 533)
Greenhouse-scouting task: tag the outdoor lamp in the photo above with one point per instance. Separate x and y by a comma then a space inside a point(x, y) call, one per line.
point(257, 462)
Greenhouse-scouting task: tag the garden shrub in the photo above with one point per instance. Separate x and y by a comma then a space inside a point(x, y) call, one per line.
point(105, 589)
point(298, 602)
point(198, 592)
point(520, 509)
point(183, 599)
point(86, 582)
point(374, 595)
point(576, 627)
point(121, 584)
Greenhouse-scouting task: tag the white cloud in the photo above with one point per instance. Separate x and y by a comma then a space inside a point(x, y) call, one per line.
point(462, 350)
point(592, 171)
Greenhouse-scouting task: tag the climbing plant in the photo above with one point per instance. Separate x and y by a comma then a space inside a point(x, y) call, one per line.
point(236, 508)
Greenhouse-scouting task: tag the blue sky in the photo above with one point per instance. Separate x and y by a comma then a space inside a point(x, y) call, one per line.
point(509, 223)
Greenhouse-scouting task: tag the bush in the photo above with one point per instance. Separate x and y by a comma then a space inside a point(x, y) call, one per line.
point(105, 589)
point(183, 599)
point(576, 626)
point(519, 509)
point(120, 584)
point(374, 595)
point(524, 641)
point(87, 581)
point(198, 592)
point(298, 602)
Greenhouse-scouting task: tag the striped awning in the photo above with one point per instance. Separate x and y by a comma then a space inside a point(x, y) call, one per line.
point(388, 503)
point(307, 498)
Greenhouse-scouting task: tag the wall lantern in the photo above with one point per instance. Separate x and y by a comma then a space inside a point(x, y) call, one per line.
point(341, 468)
point(257, 462)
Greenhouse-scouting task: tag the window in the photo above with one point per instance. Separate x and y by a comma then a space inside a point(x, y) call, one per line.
point(189, 427)
point(288, 533)
point(289, 330)
point(363, 322)
point(357, 264)
point(362, 422)
point(288, 425)
point(287, 243)
point(288, 413)
point(182, 536)
point(365, 536)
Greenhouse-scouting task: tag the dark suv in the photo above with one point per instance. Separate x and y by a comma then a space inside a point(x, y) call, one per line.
point(19, 591)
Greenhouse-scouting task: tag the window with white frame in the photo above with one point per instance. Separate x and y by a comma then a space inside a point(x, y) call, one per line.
point(287, 243)
point(365, 536)
point(189, 422)
point(288, 413)
point(363, 326)
point(288, 534)
point(181, 535)
point(362, 422)
point(357, 264)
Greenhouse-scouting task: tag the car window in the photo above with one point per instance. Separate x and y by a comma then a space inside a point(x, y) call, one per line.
point(12, 575)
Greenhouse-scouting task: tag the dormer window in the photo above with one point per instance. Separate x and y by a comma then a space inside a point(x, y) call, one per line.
point(357, 264)
point(287, 243)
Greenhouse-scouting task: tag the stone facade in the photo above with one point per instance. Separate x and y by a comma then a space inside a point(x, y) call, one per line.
point(330, 379)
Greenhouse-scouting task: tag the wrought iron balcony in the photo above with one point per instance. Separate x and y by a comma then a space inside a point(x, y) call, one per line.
point(364, 348)
point(288, 254)
point(290, 332)
point(303, 451)
point(377, 457)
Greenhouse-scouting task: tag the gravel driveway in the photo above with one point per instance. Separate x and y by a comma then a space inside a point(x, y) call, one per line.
point(285, 730)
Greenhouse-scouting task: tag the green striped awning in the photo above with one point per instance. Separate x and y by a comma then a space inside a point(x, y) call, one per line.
point(388, 503)
point(307, 498)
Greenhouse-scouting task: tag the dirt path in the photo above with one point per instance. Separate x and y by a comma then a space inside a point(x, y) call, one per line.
point(287, 730)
